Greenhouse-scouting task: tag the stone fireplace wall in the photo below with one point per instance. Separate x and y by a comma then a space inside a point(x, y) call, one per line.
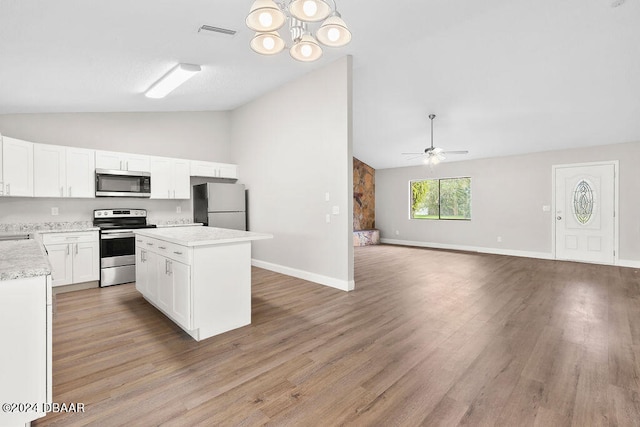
point(364, 196)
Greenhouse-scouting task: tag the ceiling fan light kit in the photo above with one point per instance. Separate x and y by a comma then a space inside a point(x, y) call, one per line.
point(433, 155)
point(266, 17)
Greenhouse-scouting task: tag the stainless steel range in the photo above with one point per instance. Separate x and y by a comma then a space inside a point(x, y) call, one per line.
point(117, 243)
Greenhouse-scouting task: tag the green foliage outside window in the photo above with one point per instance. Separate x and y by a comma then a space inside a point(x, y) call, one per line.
point(441, 198)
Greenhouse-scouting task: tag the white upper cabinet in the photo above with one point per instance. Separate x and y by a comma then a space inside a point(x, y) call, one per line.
point(214, 170)
point(170, 178)
point(17, 167)
point(182, 179)
point(122, 161)
point(81, 172)
point(50, 170)
point(63, 171)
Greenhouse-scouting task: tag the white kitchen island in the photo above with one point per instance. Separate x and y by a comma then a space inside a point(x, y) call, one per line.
point(199, 277)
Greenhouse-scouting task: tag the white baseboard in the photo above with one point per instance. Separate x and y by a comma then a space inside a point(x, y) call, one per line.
point(628, 263)
point(494, 251)
point(343, 285)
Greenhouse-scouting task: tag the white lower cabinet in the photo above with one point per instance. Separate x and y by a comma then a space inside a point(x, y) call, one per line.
point(25, 359)
point(74, 256)
point(181, 298)
point(164, 281)
point(206, 290)
point(146, 272)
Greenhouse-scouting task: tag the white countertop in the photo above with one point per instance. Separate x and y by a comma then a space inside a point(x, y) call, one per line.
point(20, 259)
point(191, 224)
point(47, 227)
point(201, 236)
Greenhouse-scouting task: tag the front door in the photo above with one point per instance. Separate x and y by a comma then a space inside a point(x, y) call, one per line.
point(585, 213)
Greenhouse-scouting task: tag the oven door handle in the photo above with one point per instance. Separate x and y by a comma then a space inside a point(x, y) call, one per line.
point(119, 235)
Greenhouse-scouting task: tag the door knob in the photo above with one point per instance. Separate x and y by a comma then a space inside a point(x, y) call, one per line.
point(558, 217)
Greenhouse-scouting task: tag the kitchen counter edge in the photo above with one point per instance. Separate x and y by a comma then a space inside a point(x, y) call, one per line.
point(201, 236)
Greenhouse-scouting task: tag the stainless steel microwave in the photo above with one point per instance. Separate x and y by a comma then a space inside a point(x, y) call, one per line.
point(117, 183)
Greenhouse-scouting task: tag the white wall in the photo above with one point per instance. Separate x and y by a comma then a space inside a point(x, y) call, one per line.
point(294, 145)
point(507, 198)
point(202, 135)
point(191, 135)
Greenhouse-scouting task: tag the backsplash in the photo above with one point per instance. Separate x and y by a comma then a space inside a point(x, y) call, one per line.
point(24, 210)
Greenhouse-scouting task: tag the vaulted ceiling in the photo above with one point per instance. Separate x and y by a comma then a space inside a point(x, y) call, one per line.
point(503, 76)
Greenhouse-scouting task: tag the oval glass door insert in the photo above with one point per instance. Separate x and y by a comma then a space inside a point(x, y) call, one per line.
point(583, 202)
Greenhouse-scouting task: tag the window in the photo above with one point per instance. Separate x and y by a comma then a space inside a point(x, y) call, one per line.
point(448, 198)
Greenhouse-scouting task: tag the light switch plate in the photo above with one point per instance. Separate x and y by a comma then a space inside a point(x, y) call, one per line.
point(54, 211)
point(327, 196)
point(328, 218)
point(178, 209)
point(546, 208)
point(335, 210)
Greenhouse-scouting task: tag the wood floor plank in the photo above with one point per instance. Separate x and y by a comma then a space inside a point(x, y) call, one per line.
point(428, 337)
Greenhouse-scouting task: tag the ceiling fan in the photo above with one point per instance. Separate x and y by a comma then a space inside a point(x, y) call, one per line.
point(433, 155)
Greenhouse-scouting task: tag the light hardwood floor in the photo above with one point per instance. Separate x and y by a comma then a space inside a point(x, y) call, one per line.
point(428, 338)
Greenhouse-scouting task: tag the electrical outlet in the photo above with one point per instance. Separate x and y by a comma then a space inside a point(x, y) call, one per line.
point(397, 232)
point(499, 239)
point(335, 210)
point(54, 211)
point(178, 209)
point(327, 218)
point(327, 196)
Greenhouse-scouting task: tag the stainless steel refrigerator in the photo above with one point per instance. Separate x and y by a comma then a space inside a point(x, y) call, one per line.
point(220, 205)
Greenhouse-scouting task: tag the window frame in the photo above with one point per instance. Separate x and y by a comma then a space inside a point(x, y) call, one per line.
point(439, 218)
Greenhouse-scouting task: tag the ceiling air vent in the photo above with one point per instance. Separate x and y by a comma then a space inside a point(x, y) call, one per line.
point(208, 29)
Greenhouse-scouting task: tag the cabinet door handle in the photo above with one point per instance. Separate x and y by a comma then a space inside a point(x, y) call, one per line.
point(149, 244)
point(170, 267)
point(166, 266)
point(120, 165)
point(76, 249)
point(8, 189)
point(61, 191)
point(69, 191)
point(68, 250)
point(168, 194)
point(162, 247)
point(127, 165)
point(174, 194)
point(142, 258)
point(178, 253)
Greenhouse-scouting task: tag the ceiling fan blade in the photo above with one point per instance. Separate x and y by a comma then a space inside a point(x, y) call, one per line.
point(409, 154)
point(415, 157)
point(437, 150)
point(455, 152)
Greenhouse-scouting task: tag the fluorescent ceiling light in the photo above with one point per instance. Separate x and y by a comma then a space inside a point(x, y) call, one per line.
point(170, 81)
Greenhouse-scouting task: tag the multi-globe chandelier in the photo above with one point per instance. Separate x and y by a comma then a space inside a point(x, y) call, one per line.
point(266, 17)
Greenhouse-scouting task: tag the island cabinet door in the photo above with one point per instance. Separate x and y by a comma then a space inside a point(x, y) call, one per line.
point(147, 274)
point(164, 284)
point(141, 271)
point(181, 288)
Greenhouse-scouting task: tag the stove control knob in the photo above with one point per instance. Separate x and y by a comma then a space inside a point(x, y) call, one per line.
point(98, 213)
